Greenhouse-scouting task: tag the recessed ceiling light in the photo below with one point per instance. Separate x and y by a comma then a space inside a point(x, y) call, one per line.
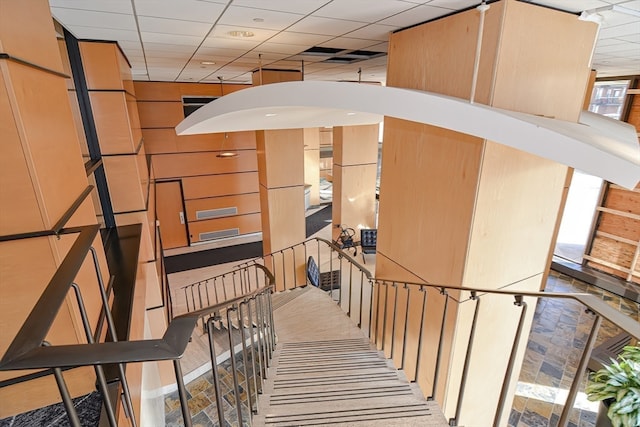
point(270, 115)
point(258, 20)
point(351, 113)
point(207, 62)
point(227, 154)
point(238, 33)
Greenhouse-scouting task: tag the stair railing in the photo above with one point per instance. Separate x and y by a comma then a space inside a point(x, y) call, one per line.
point(374, 305)
point(31, 350)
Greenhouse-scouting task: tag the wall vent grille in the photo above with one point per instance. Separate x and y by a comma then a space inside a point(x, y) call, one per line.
point(216, 213)
point(219, 234)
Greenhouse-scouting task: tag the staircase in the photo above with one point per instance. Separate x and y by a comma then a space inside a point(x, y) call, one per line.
point(325, 372)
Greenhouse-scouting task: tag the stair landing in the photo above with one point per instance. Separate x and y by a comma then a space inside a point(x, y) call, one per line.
point(325, 372)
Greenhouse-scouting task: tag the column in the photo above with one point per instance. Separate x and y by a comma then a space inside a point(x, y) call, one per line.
point(467, 212)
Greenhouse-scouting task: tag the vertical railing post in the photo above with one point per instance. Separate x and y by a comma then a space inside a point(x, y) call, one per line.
point(245, 360)
point(370, 307)
point(582, 366)
point(519, 302)
point(395, 315)
point(422, 316)
point(384, 317)
point(467, 360)
point(234, 372)
point(361, 298)
point(214, 373)
point(406, 322)
point(182, 394)
point(253, 354)
point(436, 370)
point(72, 415)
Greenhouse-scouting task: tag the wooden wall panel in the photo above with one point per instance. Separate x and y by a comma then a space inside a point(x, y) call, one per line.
point(162, 141)
point(26, 32)
point(40, 100)
point(355, 145)
point(245, 223)
point(193, 164)
point(19, 209)
point(123, 178)
point(157, 91)
point(100, 63)
point(198, 187)
point(134, 120)
point(286, 221)
point(354, 196)
point(266, 76)
point(112, 122)
point(620, 226)
point(623, 200)
point(160, 114)
point(281, 157)
point(245, 204)
point(312, 164)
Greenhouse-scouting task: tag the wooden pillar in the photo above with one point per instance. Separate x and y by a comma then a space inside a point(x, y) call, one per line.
point(355, 168)
point(312, 164)
point(41, 176)
point(281, 177)
point(467, 212)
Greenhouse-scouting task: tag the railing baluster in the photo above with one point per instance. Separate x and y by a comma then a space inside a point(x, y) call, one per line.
point(422, 316)
point(295, 278)
point(582, 366)
point(370, 307)
point(284, 271)
point(259, 340)
point(395, 315)
point(253, 354)
point(384, 318)
point(361, 297)
point(214, 372)
point(111, 327)
point(512, 359)
point(74, 421)
point(182, 394)
point(350, 288)
point(233, 280)
point(406, 328)
point(215, 291)
point(331, 270)
point(436, 371)
point(234, 374)
point(340, 290)
point(201, 305)
point(102, 380)
point(272, 330)
point(467, 360)
point(245, 360)
point(224, 288)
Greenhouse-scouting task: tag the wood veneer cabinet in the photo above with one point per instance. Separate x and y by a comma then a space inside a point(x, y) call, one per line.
point(464, 211)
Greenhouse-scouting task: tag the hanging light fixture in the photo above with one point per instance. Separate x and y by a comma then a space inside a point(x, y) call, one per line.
point(225, 154)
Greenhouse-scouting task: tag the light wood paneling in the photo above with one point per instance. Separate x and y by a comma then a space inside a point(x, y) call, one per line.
point(19, 210)
point(123, 178)
point(355, 145)
point(160, 114)
point(263, 77)
point(26, 32)
point(245, 223)
point(100, 63)
point(146, 239)
point(354, 196)
point(157, 91)
point(326, 136)
point(39, 102)
point(160, 141)
point(198, 187)
point(284, 213)
point(168, 208)
point(193, 164)
point(425, 201)
point(245, 203)
point(280, 157)
point(113, 125)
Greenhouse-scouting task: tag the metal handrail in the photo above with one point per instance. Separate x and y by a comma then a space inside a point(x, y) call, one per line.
point(29, 350)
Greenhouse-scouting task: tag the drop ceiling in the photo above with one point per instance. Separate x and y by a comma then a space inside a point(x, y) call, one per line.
point(192, 41)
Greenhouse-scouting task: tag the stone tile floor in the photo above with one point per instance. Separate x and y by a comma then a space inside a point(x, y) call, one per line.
point(558, 334)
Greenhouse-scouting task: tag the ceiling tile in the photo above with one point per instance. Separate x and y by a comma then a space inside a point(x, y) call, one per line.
point(259, 34)
point(266, 56)
point(572, 5)
point(271, 20)
point(349, 43)
point(633, 38)
point(362, 10)
point(89, 18)
point(299, 6)
point(93, 33)
point(302, 39)
point(415, 15)
point(187, 10)
point(170, 39)
point(619, 31)
point(173, 26)
point(216, 52)
point(115, 6)
point(373, 32)
point(325, 26)
point(290, 49)
point(620, 47)
point(223, 42)
point(454, 4)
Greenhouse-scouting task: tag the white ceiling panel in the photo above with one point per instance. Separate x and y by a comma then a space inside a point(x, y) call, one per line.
point(266, 56)
point(187, 10)
point(362, 10)
point(380, 47)
point(302, 39)
point(454, 4)
point(258, 18)
point(178, 39)
point(298, 6)
point(632, 38)
point(115, 6)
point(93, 33)
point(573, 5)
point(90, 18)
point(325, 26)
point(173, 26)
point(229, 43)
point(620, 30)
point(373, 32)
point(259, 34)
point(290, 49)
point(349, 43)
point(620, 47)
point(415, 15)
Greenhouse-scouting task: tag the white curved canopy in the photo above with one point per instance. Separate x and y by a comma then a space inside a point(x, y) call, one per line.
point(600, 146)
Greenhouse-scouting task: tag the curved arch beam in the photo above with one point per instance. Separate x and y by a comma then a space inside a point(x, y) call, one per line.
point(600, 146)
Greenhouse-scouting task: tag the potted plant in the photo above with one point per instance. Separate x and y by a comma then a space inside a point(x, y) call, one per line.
point(617, 386)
